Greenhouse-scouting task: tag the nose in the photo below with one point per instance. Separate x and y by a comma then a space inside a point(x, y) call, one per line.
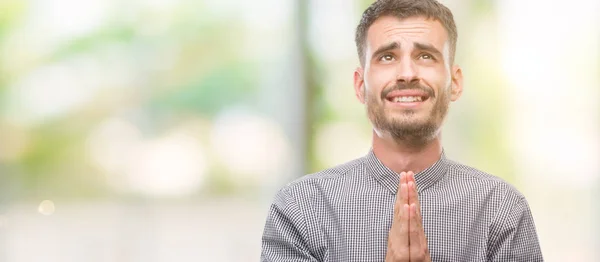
point(407, 71)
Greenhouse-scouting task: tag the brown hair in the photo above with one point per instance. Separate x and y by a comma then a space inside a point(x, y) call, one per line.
point(431, 9)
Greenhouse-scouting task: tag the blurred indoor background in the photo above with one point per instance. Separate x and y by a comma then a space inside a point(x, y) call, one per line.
point(160, 130)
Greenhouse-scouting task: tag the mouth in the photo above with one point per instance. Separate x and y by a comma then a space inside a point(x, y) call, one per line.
point(407, 99)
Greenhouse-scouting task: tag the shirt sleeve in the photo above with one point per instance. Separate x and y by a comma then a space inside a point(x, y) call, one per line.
point(284, 237)
point(513, 236)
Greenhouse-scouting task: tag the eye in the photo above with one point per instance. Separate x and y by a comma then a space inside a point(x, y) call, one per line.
point(426, 56)
point(387, 58)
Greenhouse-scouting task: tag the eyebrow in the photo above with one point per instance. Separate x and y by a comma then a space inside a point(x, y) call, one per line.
point(386, 48)
point(428, 48)
point(418, 46)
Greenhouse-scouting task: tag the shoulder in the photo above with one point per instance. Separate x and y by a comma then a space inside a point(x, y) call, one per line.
point(318, 180)
point(483, 180)
point(494, 194)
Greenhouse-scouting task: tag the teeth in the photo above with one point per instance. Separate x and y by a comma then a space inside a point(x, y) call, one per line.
point(407, 99)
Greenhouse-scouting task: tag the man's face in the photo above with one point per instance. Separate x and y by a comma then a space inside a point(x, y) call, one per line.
point(407, 82)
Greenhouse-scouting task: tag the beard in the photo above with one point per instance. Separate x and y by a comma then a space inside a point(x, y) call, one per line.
point(406, 126)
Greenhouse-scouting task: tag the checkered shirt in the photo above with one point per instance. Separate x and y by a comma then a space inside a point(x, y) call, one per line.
point(344, 214)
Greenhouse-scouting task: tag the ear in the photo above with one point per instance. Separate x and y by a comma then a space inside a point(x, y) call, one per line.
point(359, 84)
point(457, 83)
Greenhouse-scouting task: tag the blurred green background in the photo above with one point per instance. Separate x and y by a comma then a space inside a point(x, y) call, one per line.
point(159, 130)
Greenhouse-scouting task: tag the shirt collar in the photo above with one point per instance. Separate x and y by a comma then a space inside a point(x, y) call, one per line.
point(390, 179)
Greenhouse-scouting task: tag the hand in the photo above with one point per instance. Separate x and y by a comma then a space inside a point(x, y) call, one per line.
point(406, 239)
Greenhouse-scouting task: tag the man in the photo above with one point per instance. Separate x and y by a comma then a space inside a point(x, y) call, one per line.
point(403, 201)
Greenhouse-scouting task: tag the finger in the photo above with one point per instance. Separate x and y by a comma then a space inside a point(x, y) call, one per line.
point(404, 239)
point(403, 177)
point(404, 181)
point(413, 194)
point(398, 248)
point(402, 194)
point(410, 176)
point(418, 243)
point(415, 218)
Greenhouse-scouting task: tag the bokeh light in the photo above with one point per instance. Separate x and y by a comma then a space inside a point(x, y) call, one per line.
point(249, 145)
point(46, 208)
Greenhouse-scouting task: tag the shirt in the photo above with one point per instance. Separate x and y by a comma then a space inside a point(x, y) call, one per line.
point(345, 213)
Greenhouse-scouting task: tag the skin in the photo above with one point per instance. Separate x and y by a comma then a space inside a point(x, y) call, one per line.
point(408, 53)
point(406, 239)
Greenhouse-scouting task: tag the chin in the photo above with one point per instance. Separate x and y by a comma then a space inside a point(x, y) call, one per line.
point(408, 120)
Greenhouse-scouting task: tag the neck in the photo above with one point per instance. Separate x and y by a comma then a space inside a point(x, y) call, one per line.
point(403, 157)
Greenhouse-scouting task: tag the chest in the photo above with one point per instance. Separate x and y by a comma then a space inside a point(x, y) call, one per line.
point(356, 226)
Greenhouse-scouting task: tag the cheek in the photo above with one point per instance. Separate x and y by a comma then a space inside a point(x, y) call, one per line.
point(378, 78)
point(437, 78)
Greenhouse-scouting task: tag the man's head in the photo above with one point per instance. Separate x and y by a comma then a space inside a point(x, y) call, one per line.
point(407, 77)
point(430, 9)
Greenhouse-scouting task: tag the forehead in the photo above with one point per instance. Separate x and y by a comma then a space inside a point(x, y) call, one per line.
point(388, 29)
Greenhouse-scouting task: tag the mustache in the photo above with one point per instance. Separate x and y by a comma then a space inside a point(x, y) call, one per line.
point(410, 86)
